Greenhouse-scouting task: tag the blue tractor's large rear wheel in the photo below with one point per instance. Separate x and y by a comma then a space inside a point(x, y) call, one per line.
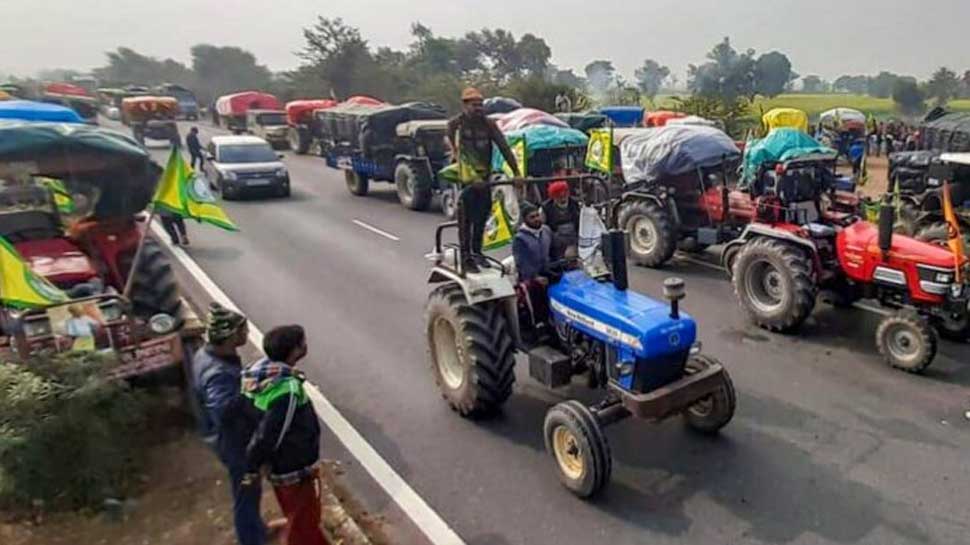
point(577, 444)
point(472, 351)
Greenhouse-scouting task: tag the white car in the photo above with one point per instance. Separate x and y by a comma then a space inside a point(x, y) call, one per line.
point(236, 165)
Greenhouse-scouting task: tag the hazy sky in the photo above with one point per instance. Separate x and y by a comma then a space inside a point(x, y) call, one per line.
point(826, 37)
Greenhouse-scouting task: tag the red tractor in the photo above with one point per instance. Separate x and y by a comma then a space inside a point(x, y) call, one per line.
point(782, 262)
point(70, 204)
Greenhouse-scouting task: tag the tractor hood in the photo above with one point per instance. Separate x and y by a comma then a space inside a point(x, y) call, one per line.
point(635, 324)
point(57, 260)
point(864, 237)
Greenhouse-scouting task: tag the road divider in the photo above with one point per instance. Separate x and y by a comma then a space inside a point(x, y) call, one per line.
point(414, 506)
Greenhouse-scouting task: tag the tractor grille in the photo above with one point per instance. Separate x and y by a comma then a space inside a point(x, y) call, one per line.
point(652, 374)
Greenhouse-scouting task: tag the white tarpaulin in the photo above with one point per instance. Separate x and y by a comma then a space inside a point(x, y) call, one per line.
point(651, 154)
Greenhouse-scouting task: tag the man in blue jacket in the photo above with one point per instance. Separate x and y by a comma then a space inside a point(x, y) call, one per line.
point(224, 423)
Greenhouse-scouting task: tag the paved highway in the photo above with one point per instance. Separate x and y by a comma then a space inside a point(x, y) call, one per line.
point(828, 446)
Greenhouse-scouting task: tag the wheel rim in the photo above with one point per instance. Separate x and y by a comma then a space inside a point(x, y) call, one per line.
point(903, 344)
point(765, 286)
point(702, 408)
point(568, 454)
point(643, 235)
point(407, 185)
point(446, 354)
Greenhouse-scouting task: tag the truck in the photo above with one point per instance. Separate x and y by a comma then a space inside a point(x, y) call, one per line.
point(188, 106)
point(73, 96)
point(304, 130)
point(231, 109)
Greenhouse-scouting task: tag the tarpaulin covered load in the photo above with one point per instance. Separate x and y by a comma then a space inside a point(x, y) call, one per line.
point(239, 103)
point(300, 111)
point(791, 118)
point(368, 126)
point(583, 121)
point(948, 132)
point(541, 137)
point(660, 118)
point(364, 100)
point(27, 110)
point(5, 95)
point(693, 120)
point(624, 116)
point(524, 117)
point(780, 145)
point(66, 89)
point(842, 119)
point(500, 105)
point(84, 156)
point(651, 154)
point(141, 106)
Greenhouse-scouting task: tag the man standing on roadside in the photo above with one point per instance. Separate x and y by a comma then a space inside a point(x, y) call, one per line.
point(216, 373)
point(194, 147)
point(471, 135)
point(287, 438)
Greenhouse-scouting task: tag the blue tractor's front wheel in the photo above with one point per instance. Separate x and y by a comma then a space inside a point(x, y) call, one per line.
point(710, 414)
point(575, 440)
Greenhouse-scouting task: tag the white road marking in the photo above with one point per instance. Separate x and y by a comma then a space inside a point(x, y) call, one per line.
point(424, 517)
point(373, 229)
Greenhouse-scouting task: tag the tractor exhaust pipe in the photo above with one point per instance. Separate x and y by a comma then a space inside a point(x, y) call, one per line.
point(674, 291)
point(614, 254)
point(887, 219)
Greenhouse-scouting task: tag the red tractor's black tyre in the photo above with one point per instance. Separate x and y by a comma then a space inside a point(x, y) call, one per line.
point(357, 184)
point(651, 236)
point(576, 442)
point(907, 341)
point(154, 289)
point(712, 413)
point(471, 351)
point(774, 283)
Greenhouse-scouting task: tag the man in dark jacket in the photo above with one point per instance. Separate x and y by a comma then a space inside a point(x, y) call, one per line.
point(194, 146)
point(531, 249)
point(470, 136)
point(216, 371)
point(287, 438)
point(562, 217)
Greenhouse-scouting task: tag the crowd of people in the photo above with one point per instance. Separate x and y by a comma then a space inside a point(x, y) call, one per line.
point(891, 137)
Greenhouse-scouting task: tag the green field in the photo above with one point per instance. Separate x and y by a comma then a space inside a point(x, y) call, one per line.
point(881, 108)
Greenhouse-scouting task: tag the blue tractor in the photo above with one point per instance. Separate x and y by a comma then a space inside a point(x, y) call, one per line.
point(641, 352)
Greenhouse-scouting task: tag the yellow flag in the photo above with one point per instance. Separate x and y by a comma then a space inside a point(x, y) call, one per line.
point(498, 230)
point(183, 193)
point(599, 152)
point(21, 287)
point(955, 241)
point(519, 150)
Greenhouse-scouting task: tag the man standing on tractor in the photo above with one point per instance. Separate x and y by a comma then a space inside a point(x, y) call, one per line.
point(562, 217)
point(471, 135)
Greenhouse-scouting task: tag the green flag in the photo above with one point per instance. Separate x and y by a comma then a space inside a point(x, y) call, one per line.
point(183, 193)
point(20, 287)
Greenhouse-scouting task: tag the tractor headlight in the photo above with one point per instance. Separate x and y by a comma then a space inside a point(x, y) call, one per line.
point(944, 278)
point(695, 349)
point(625, 368)
point(956, 291)
point(161, 324)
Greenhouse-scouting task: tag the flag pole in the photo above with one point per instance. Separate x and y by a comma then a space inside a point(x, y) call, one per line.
point(135, 260)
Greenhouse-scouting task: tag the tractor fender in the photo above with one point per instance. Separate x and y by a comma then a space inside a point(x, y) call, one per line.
point(489, 285)
point(756, 230)
point(663, 201)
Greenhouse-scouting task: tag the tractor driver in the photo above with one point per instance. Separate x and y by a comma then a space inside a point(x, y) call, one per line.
point(470, 138)
point(532, 250)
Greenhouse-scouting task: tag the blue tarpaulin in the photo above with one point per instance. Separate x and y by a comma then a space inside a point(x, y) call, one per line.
point(540, 137)
point(27, 110)
point(780, 145)
point(651, 154)
point(624, 116)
